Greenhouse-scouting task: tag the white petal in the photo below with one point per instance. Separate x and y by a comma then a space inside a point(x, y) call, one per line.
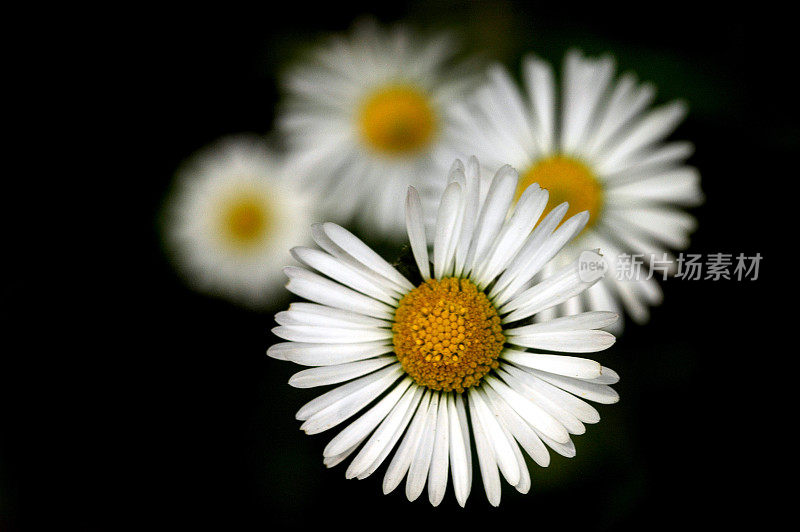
point(416, 232)
point(587, 341)
point(322, 376)
point(562, 285)
point(309, 354)
point(437, 476)
point(408, 447)
point(534, 256)
point(330, 335)
point(363, 426)
point(524, 382)
point(364, 254)
point(386, 435)
point(501, 446)
point(541, 91)
point(513, 234)
point(532, 413)
point(577, 407)
point(418, 470)
point(486, 462)
point(316, 288)
point(340, 272)
point(330, 409)
point(493, 214)
point(459, 448)
point(313, 314)
point(599, 393)
point(521, 430)
point(446, 231)
point(579, 368)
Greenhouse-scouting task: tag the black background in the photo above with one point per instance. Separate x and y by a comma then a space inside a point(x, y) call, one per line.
point(165, 411)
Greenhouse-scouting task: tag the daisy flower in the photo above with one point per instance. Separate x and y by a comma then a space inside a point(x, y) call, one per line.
point(453, 360)
point(601, 149)
point(231, 218)
point(364, 116)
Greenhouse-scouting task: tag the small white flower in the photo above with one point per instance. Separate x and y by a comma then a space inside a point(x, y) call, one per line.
point(599, 148)
point(231, 218)
point(454, 361)
point(365, 115)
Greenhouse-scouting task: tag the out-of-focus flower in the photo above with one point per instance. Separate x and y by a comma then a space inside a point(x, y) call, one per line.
point(365, 114)
point(460, 341)
point(599, 148)
point(231, 218)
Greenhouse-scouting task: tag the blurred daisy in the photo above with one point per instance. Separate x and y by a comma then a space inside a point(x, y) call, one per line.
point(364, 116)
point(231, 218)
point(453, 360)
point(601, 149)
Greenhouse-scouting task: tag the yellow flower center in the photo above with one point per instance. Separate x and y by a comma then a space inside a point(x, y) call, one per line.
point(567, 179)
point(397, 120)
point(244, 219)
point(447, 334)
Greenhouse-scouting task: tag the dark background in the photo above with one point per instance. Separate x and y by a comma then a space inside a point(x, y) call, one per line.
point(161, 409)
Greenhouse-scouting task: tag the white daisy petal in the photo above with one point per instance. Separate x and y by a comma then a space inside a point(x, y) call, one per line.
point(314, 314)
point(386, 435)
point(514, 233)
point(579, 368)
point(520, 380)
point(599, 393)
point(324, 375)
point(563, 285)
point(607, 376)
point(486, 461)
point(529, 411)
point(408, 447)
point(418, 470)
point(363, 426)
point(493, 213)
point(459, 449)
point(585, 320)
point(566, 449)
point(339, 272)
point(503, 454)
point(678, 186)
point(449, 210)
point(464, 423)
point(534, 261)
point(577, 407)
point(364, 254)
point(339, 403)
point(416, 232)
point(566, 341)
point(309, 354)
point(333, 461)
point(652, 128)
point(519, 428)
point(325, 292)
point(437, 476)
point(328, 335)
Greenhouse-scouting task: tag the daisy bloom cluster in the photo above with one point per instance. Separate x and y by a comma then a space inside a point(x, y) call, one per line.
point(365, 115)
point(434, 367)
point(601, 148)
point(231, 217)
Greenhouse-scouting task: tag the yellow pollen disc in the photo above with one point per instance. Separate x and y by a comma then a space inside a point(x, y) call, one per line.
point(569, 180)
point(397, 120)
point(244, 219)
point(447, 334)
